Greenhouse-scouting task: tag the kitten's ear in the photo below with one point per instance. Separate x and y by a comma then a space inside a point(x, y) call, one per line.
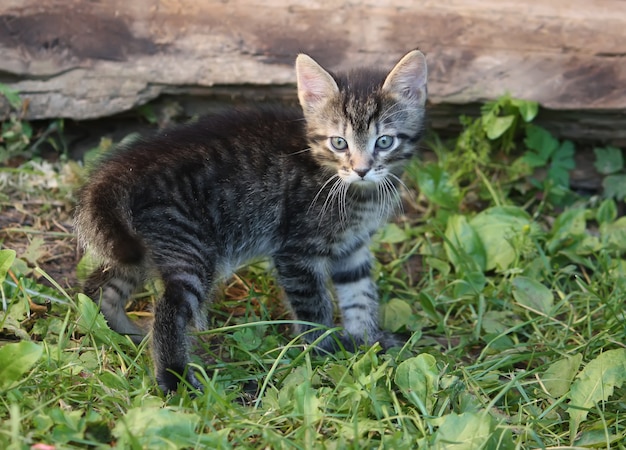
point(408, 78)
point(315, 85)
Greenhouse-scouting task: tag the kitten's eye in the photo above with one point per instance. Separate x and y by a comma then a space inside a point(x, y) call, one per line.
point(384, 142)
point(338, 143)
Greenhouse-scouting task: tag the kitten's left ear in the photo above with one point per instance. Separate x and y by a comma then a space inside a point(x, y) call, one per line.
point(408, 78)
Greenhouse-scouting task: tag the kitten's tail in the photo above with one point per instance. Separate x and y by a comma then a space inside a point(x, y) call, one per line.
point(103, 224)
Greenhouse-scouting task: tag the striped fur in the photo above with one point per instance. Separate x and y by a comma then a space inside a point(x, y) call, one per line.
point(196, 201)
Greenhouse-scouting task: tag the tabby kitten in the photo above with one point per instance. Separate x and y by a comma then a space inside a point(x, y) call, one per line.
point(195, 202)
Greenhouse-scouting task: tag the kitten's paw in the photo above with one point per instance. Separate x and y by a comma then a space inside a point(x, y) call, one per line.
point(169, 381)
point(350, 343)
point(388, 340)
point(338, 342)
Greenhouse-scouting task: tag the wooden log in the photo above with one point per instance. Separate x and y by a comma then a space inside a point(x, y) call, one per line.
point(89, 59)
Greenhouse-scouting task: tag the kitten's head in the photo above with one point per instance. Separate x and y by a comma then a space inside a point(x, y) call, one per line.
point(364, 125)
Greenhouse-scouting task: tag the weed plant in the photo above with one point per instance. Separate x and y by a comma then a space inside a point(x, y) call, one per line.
point(510, 285)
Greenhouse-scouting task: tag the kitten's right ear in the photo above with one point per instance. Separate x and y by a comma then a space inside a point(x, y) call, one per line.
point(315, 85)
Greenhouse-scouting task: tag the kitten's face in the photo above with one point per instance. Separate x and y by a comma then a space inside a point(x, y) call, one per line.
point(362, 125)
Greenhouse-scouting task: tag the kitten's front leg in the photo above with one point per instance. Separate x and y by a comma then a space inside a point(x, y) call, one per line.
point(358, 298)
point(304, 279)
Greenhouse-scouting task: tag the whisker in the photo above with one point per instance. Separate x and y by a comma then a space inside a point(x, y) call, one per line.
point(399, 180)
point(319, 192)
point(334, 193)
point(308, 149)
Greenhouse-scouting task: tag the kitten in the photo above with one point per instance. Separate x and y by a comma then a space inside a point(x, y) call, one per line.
point(309, 191)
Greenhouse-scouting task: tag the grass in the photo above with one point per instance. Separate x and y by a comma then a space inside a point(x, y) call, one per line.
point(510, 284)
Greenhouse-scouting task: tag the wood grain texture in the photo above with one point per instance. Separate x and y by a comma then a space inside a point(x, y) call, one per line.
point(88, 59)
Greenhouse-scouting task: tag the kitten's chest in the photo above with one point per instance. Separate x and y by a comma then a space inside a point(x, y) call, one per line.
point(359, 224)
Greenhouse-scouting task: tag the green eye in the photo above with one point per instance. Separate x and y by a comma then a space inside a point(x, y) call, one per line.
point(384, 142)
point(338, 143)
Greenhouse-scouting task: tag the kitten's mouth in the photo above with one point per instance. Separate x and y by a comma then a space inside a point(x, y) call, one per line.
point(363, 183)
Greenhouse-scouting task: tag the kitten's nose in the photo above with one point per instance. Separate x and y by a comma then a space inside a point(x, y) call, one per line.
point(362, 172)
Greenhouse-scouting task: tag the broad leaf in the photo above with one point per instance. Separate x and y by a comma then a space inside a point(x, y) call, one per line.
point(392, 234)
point(615, 186)
point(247, 339)
point(541, 141)
point(435, 184)
point(418, 380)
point(91, 322)
point(16, 359)
point(496, 126)
point(154, 427)
point(395, 314)
point(534, 160)
point(613, 234)
point(594, 384)
point(608, 160)
point(557, 379)
point(7, 257)
point(463, 245)
point(497, 228)
point(527, 109)
point(12, 96)
point(471, 283)
point(564, 155)
point(568, 228)
point(532, 294)
point(607, 211)
point(470, 431)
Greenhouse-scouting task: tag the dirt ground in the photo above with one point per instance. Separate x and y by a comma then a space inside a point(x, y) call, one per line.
point(42, 239)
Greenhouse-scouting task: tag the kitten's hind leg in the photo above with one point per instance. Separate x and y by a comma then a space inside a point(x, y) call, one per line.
point(111, 289)
point(186, 288)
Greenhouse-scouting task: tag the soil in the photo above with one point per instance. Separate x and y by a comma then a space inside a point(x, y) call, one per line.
point(42, 238)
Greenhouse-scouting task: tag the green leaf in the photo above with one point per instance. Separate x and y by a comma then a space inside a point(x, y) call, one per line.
point(532, 294)
point(557, 379)
point(534, 160)
point(154, 427)
point(16, 359)
point(247, 339)
point(607, 211)
point(7, 256)
point(540, 140)
point(568, 228)
point(91, 322)
point(564, 155)
point(599, 439)
point(527, 109)
point(463, 246)
point(392, 234)
point(496, 322)
point(595, 383)
point(418, 380)
point(609, 160)
point(496, 126)
point(559, 176)
point(395, 314)
point(12, 96)
point(613, 234)
point(472, 283)
point(615, 186)
point(498, 227)
point(466, 431)
point(307, 404)
point(436, 185)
